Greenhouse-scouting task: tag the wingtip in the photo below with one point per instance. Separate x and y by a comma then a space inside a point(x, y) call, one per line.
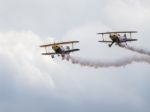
point(41, 46)
point(99, 33)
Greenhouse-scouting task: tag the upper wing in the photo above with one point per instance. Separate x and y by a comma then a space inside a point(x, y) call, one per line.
point(105, 41)
point(72, 50)
point(125, 32)
point(48, 53)
point(68, 42)
point(117, 32)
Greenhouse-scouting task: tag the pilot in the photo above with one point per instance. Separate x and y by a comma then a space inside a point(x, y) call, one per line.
point(56, 48)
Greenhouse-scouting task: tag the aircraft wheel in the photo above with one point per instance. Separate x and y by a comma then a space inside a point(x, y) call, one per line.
point(52, 56)
point(67, 57)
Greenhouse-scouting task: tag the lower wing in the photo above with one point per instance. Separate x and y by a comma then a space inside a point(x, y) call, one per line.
point(72, 50)
point(105, 41)
point(48, 53)
point(128, 40)
point(67, 51)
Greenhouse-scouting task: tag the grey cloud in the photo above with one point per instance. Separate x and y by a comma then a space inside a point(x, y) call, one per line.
point(57, 87)
point(48, 17)
point(56, 17)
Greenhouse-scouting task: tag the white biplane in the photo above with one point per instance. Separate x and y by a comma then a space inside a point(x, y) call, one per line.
point(59, 49)
point(117, 37)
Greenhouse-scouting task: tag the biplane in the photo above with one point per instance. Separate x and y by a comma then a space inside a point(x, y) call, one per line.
point(117, 37)
point(59, 49)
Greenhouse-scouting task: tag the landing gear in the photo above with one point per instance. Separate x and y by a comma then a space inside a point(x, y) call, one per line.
point(67, 57)
point(63, 56)
point(111, 44)
point(52, 56)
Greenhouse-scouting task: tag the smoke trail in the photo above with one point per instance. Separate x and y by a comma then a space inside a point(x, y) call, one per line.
point(104, 64)
point(135, 49)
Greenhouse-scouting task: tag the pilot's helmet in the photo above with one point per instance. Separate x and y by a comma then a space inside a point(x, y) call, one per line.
point(112, 34)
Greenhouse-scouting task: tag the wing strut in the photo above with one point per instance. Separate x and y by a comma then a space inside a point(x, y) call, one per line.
point(130, 35)
point(103, 37)
point(46, 49)
point(72, 45)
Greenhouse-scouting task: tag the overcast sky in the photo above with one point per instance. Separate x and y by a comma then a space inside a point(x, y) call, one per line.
point(35, 83)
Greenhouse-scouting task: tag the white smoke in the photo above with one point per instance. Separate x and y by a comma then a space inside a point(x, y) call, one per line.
point(135, 49)
point(105, 64)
